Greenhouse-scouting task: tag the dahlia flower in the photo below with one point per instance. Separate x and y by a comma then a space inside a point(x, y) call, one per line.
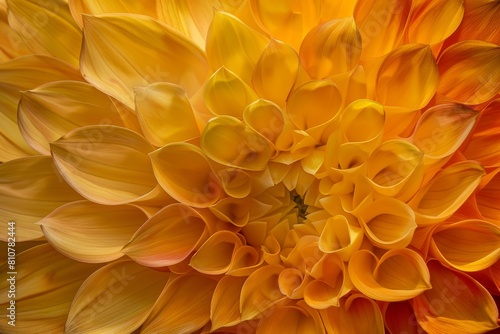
point(250, 166)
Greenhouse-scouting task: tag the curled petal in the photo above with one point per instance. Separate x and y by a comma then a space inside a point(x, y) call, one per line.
point(50, 111)
point(80, 230)
point(431, 22)
point(340, 237)
point(408, 77)
point(45, 284)
point(400, 274)
point(265, 118)
point(260, 291)
point(395, 169)
point(446, 192)
point(115, 298)
point(113, 58)
point(356, 314)
point(331, 48)
point(388, 223)
point(171, 314)
point(469, 245)
point(230, 142)
point(184, 173)
point(40, 23)
point(168, 237)
point(488, 197)
point(236, 183)
point(30, 188)
point(107, 165)
point(246, 259)
point(275, 72)
point(226, 94)
point(232, 210)
point(454, 297)
point(234, 45)
point(293, 320)
point(381, 24)
point(460, 59)
point(224, 307)
point(442, 129)
point(292, 283)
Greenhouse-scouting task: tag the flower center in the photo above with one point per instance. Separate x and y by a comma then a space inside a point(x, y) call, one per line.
point(301, 207)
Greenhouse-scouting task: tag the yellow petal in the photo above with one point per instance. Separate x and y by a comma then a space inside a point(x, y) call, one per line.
point(356, 314)
point(168, 237)
point(388, 223)
point(334, 9)
point(487, 198)
point(442, 129)
point(331, 48)
point(381, 24)
point(395, 169)
point(469, 245)
point(408, 77)
point(234, 45)
point(45, 285)
point(236, 183)
point(173, 315)
point(400, 318)
point(266, 118)
point(446, 192)
point(469, 72)
point(230, 142)
point(322, 96)
point(288, 21)
point(226, 94)
point(165, 114)
point(431, 22)
point(114, 61)
point(455, 304)
point(224, 307)
point(261, 291)
point(80, 230)
point(30, 189)
point(24, 73)
point(106, 167)
point(400, 274)
point(184, 173)
point(292, 320)
point(50, 111)
point(115, 299)
point(340, 237)
point(482, 146)
point(41, 24)
point(94, 7)
point(275, 72)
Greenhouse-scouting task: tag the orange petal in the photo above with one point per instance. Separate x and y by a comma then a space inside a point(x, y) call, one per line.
point(334, 9)
point(224, 307)
point(381, 24)
point(165, 114)
point(275, 72)
point(45, 285)
point(106, 167)
point(479, 22)
point(400, 274)
point(340, 237)
point(232, 210)
point(113, 60)
point(226, 94)
point(11, 43)
point(234, 45)
point(40, 25)
point(470, 72)
point(487, 198)
point(172, 314)
point(29, 190)
point(261, 291)
point(400, 318)
point(292, 283)
point(455, 304)
point(446, 192)
point(292, 320)
point(331, 48)
point(236, 183)
point(431, 22)
point(356, 314)
point(115, 299)
point(408, 77)
point(50, 111)
point(80, 230)
point(184, 173)
point(230, 142)
point(246, 260)
point(469, 245)
point(168, 237)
